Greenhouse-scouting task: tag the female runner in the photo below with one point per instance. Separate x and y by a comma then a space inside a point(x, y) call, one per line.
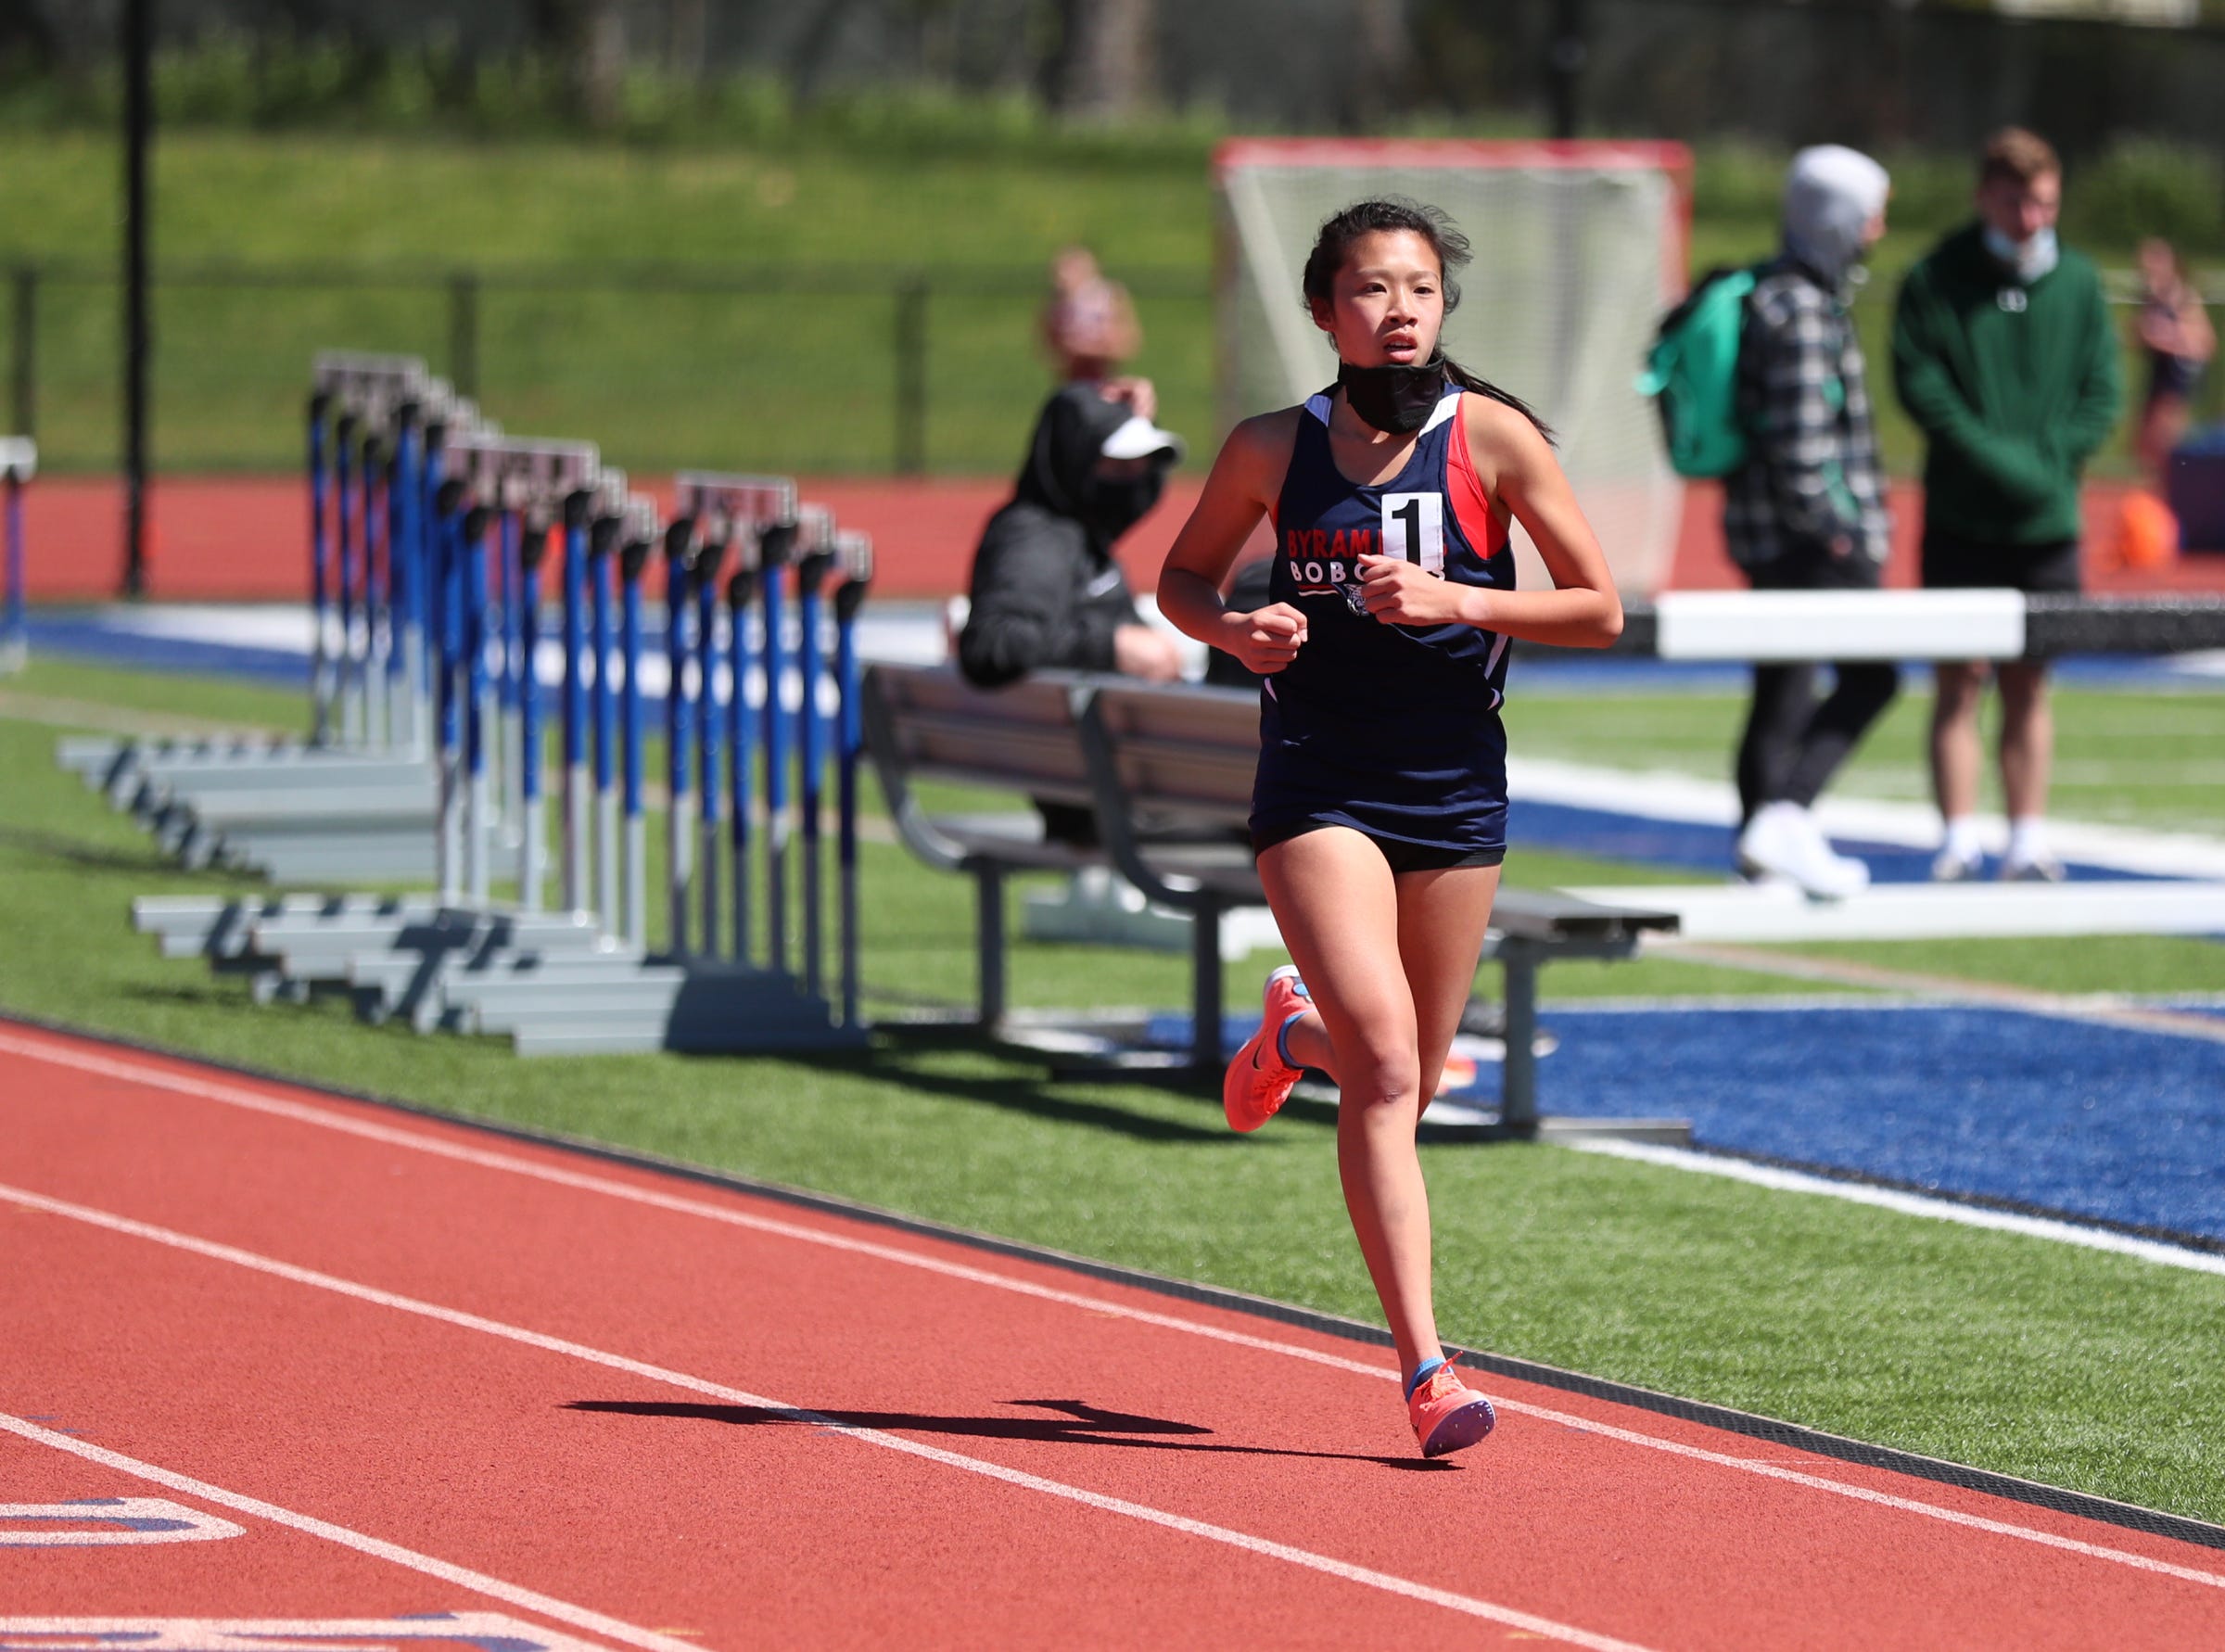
point(1379, 815)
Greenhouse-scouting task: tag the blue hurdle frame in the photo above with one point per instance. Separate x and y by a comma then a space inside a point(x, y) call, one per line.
point(632, 560)
point(710, 736)
point(18, 462)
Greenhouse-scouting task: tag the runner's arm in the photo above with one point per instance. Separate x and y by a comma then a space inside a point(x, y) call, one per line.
point(1517, 466)
point(1246, 475)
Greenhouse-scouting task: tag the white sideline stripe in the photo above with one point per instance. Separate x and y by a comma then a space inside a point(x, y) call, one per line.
point(716, 1390)
point(1939, 997)
point(516, 1594)
point(235, 1096)
point(1669, 794)
point(1912, 1204)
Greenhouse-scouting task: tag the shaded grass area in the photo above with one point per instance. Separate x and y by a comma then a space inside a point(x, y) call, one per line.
point(2075, 1368)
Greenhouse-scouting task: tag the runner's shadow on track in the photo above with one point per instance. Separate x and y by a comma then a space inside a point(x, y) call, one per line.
point(1075, 1422)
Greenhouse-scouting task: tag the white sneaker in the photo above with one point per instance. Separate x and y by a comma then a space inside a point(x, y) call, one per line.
point(2040, 869)
point(1783, 838)
point(1947, 867)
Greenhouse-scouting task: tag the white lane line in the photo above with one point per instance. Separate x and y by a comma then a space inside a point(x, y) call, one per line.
point(681, 1380)
point(1912, 1204)
point(233, 1095)
point(100, 1522)
point(563, 1611)
point(435, 1630)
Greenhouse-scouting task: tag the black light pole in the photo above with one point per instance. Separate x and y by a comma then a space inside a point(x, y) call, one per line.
point(1565, 53)
point(138, 117)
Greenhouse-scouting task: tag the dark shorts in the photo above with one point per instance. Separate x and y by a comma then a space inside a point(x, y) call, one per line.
point(1955, 564)
point(1403, 855)
point(2172, 375)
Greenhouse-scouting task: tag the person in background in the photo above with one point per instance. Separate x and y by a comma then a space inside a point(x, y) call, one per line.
point(1806, 511)
point(2177, 338)
point(2005, 356)
point(1089, 323)
point(1045, 591)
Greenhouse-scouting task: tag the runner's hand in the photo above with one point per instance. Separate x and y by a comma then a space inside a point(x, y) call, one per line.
point(1266, 639)
point(1397, 592)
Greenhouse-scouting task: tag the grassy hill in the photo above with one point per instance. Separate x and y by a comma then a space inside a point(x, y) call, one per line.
point(710, 303)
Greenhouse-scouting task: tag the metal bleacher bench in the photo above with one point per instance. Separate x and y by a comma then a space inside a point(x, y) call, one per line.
point(1167, 773)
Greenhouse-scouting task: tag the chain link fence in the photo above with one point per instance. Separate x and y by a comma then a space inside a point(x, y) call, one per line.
point(836, 370)
point(904, 372)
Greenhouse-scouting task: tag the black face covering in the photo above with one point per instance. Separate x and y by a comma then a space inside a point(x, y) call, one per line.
point(1398, 397)
point(1064, 462)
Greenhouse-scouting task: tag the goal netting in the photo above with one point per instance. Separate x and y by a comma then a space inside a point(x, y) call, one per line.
point(1579, 248)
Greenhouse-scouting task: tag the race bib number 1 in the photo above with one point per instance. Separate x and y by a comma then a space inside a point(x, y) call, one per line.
point(1414, 529)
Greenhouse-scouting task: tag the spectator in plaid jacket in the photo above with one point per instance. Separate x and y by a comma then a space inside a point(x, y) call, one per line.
point(1806, 511)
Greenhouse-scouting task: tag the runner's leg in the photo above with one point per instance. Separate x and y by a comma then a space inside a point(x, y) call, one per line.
point(1441, 917)
point(1386, 1046)
point(1336, 904)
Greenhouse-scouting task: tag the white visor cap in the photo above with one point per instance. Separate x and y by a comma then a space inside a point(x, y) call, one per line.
point(1139, 439)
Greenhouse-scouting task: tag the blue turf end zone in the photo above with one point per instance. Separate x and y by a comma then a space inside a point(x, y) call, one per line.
point(2101, 1122)
point(2108, 1122)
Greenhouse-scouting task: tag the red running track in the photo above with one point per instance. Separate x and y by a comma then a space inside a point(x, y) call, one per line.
point(425, 1370)
point(244, 539)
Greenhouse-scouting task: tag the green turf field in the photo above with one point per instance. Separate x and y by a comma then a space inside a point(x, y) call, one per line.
point(2072, 1366)
point(373, 227)
point(2156, 760)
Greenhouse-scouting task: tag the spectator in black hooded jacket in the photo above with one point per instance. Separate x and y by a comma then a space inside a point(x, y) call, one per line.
point(1046, 592)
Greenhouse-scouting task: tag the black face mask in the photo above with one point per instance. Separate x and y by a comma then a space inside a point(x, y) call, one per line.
point(1396, 397)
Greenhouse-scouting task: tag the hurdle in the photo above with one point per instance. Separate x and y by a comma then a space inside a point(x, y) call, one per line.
point(487, 491)
point(347, 802)
point(723, 513)
point(747, 741)
point(1765, 627)
point(1989, 624)
point(19, 464)
point(448, 560)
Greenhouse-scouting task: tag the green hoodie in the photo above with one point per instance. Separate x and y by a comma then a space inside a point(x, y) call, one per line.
point(2015, 383)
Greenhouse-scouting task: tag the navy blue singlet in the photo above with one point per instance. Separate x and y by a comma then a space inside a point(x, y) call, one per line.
point(1391, 729)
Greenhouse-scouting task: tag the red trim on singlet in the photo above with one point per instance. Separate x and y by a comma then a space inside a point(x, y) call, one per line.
point(1471, 504)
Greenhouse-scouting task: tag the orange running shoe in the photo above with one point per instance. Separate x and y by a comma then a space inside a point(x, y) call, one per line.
point(1258, 1081)
point(1448, 1415)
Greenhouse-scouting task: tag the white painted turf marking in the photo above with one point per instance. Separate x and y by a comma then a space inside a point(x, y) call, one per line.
point(516, 1594)
point(233, 1095)
point(1325, 1564)
point(1912, 1204)
point(1668, 796)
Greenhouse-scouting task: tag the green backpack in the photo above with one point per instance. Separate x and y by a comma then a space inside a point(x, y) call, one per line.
point(1692, 374)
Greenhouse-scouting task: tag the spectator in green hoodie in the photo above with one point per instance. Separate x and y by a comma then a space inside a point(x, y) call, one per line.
point(2005, 356)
